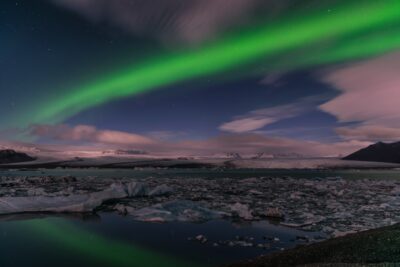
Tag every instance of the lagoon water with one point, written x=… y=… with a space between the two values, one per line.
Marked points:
x=208 y=173
x=108 y=239
x=112 y=240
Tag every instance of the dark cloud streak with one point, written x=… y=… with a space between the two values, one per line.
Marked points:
x=186 y=21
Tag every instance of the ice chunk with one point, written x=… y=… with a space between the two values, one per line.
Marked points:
x=180 y=210
x=242 y=211
x=72 y=203
x=161 y=190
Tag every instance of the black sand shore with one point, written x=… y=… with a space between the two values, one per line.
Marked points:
x=378 y=247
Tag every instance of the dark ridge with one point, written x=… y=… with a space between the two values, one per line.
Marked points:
x=11 y=156
x=379 y=152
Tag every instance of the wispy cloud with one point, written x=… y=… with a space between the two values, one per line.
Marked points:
x=256 y=143
x=243 y=125
x=370 y=133
x=259 y=118
x=273 y=79
x=92 y=139
x=88 y=133
x=188 y=21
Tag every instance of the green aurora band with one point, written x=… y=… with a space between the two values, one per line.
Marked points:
x=353 y=30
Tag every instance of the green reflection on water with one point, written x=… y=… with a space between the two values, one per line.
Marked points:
x=98 y=248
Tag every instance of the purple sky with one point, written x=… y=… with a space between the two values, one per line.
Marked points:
x=330 y=110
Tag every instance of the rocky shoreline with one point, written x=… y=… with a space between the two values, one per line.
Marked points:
x=332 y=206
x=375 y=248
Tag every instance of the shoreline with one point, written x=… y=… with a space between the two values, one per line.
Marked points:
x=206 y=163
x=376 y=247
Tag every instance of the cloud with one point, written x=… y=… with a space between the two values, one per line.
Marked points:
x=90 y=138
x=370 y=133
x=251 y=143
x=370 y=93
x=189 y=21
x=246 y=124
x=260 y=118
x=273 y=79
x=88 y=133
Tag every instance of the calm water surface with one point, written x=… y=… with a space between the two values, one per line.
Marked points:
x=207 y=173
x=111 y=240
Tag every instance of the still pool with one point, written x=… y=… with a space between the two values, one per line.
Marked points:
x=109 y=239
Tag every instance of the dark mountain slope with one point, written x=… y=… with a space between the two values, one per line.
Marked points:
x=380 y=152
x=11 y=156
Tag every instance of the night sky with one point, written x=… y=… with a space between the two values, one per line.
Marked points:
x=200 y=77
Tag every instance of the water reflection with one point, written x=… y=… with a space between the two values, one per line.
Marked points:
x=92 y=217
x=112 y=240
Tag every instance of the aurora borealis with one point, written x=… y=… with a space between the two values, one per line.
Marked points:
x=89 y=77
x=348 y=21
